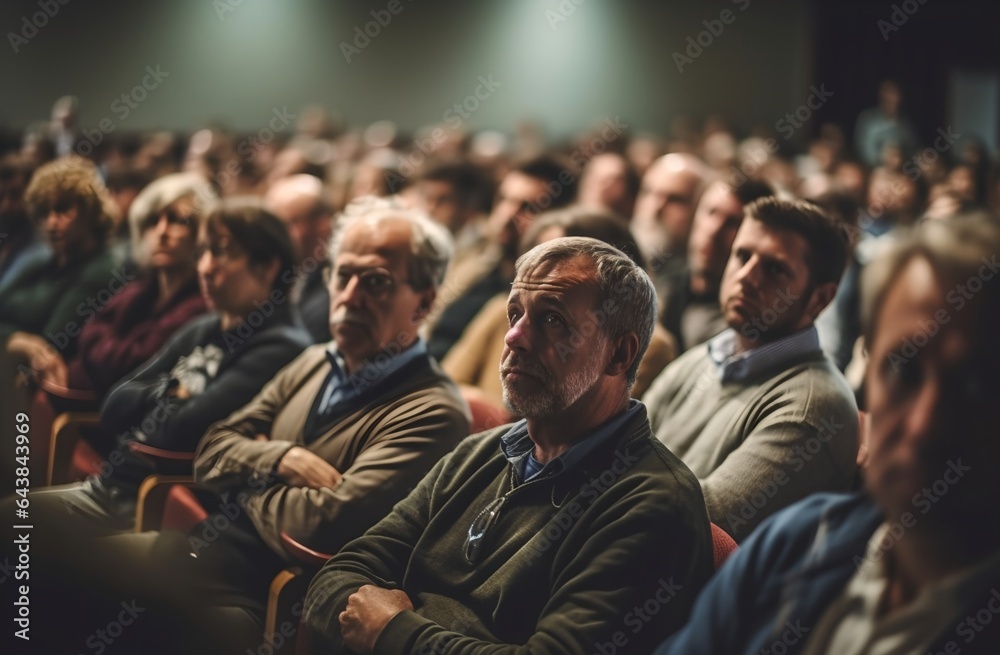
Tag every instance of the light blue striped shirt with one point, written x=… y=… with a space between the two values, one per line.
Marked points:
x=736 y=367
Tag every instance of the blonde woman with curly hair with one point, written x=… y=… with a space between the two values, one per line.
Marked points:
x=43 y=309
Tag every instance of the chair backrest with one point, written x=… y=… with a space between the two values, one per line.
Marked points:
x=485 y=414
x=722 y=545
x=70 y=457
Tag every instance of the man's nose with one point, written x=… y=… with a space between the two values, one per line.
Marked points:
x=351 y=294
x=206 y=263
x=924 y=418
x=749 y=273
x=517 y=335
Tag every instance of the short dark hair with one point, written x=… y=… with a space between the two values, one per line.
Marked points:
x=825 y=236
x=557 y=176
x=751 y=191
x=471 y=183
x=260 y=233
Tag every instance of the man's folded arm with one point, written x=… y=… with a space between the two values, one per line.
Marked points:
x=378 y=558
x=407 y=446
x=228 y=455
x=635 y=553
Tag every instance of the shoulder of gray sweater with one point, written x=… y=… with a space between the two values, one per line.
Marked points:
x=814 y=369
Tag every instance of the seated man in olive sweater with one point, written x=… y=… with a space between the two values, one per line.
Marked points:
x=758 y=412
x=569 y=531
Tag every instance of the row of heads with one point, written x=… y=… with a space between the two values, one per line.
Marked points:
x=75 y=182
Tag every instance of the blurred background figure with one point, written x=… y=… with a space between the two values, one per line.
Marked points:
x=303 y=203
x=884 y=127
x=22 y=243
x=609 y=183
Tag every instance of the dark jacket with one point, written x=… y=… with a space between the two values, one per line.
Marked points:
x=781 y=581
x=222 y=371
x=55 y=302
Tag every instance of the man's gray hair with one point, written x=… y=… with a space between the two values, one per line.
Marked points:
x=431 y=244
x=628 y=298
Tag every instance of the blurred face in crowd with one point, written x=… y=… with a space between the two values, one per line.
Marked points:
x=12 y=209
x=66 y=232
x=931 y=392
x=668 y=196
x=893 y=194
x=296 y=201
x=373 y=307
x=766 y=292
x=716 y=222
x=518 y=201
x=441 y=201
x=170 y=238
x=229 y=282
x=546 y=308
x=603 y=184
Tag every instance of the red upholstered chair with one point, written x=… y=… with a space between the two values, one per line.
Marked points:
x=485 y=413
x=69 y=456
x=167 y=502
x=165 y=499
x=722 y=545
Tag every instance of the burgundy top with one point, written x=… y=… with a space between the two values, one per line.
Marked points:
x=126 y=332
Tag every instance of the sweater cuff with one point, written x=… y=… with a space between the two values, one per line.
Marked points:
x=400 y=633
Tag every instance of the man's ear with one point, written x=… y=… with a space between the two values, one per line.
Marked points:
x=821 y=296
x=623 y=354
x=427 y=297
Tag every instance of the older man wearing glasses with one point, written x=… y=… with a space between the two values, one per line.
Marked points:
x=572 y=531
x=343 y=432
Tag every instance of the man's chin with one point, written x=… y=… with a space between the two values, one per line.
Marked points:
x=351 y=339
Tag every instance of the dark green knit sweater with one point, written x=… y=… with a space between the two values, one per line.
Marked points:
x=616 y=565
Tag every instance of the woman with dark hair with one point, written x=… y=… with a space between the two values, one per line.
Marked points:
x=474 y=358
x=211 y=367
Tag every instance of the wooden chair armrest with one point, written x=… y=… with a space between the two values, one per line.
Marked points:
x=303 y=553
x=165 y=462
x=66 y=432
x=161 y=453
x=287 y=588
x=152 y=497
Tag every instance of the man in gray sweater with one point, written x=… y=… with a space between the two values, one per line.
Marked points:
x=758 y=413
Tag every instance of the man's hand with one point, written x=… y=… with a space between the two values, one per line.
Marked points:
x=368 y=611
x=303 y=468
x=41 y=356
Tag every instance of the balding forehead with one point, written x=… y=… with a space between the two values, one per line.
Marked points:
x=294 y=186
x=385 y=225
x=576 y=270
x=680 y=163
